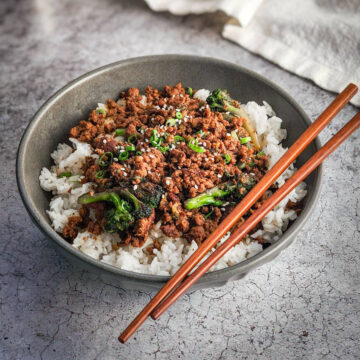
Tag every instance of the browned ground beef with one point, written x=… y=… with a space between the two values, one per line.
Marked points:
x=182 y=172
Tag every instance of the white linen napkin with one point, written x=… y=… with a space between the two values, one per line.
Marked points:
x=315 y=39
x=241 y=10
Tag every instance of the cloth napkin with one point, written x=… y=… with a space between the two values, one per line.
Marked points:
x=315 y=39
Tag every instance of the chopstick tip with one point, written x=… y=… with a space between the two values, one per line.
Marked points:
x=122 y=339
x=154 y=315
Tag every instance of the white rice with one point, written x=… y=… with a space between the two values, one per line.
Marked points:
x=174 y=251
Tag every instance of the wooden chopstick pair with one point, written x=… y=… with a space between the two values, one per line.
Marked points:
x=167 y=295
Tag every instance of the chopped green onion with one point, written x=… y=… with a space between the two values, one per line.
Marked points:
x=120 y=132
x=261 y=153
x=241 y=165
x=170 y=122
x=252 y=164
x=130 y=148
x=100 y=174
x=101 y=111
x=106 y=163
x=155 y=140
x=138 y=153
x=163 y=149
x=193 y=144
x=65 y=174
x=208 y=214
x=123 y=155
x=132 y=138
x=227 y=158
x=189 y=91
x=245 y=140
x=165 y=135
x=179 y=115
x=178 y=138
x=234 y=135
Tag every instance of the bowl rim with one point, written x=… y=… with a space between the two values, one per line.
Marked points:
x=242 y=267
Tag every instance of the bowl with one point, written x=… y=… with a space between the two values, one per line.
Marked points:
x=73 y=102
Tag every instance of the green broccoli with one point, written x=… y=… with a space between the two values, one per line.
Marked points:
x=219 y=100
x=118 y=218
x=149 y=193
x=140 y=209
x=211 y=197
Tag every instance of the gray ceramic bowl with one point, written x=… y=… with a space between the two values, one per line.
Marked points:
x=73 y=102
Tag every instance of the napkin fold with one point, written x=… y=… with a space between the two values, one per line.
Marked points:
x=315 y=39
x=241 y=10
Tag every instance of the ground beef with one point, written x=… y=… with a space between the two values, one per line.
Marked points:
x=85 y=131
x=70 y=230
x=153 y=151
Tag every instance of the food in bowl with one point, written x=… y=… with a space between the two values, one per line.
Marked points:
x=149 y=177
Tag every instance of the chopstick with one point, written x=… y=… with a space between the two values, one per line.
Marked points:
x=269 y=178
x=256 y=217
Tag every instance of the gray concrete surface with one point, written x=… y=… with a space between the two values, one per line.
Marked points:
x=303 y=305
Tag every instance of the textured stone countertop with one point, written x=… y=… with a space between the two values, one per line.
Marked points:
x=304 y=304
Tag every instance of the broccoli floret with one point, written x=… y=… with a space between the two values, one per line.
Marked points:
x=118 y=218
x=211 y=197
x=140 y=209
x=149 y=193
x=219 y=100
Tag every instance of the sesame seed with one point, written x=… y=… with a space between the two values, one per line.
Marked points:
x=104 y=141
x=152 y=156
x=116 y=159
x=125 y=174
x=167 y=182
x=196 y=187
x=135 y=187
x=219 y=176
x=222 y=209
